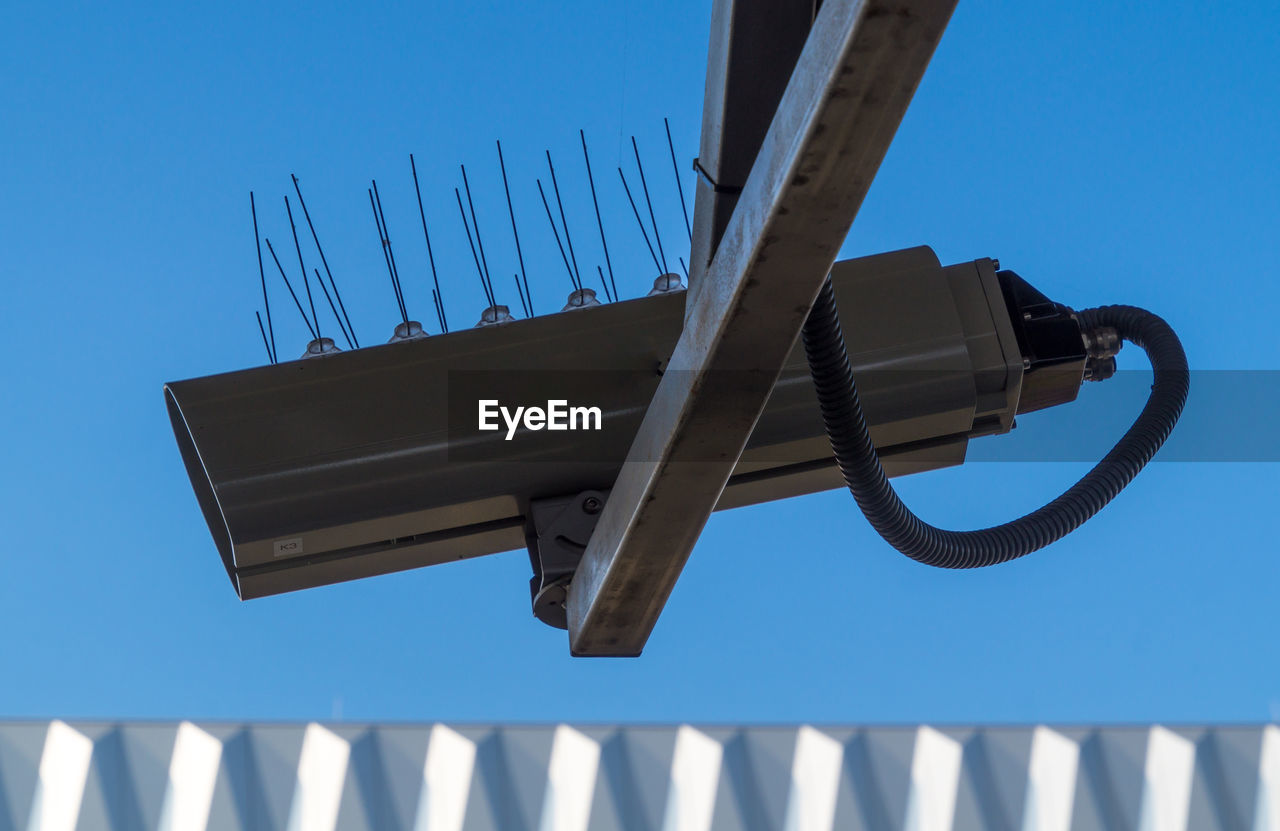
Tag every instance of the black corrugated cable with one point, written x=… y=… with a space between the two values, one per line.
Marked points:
x=856 y=455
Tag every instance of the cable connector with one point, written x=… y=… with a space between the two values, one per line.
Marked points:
x=1101 y=344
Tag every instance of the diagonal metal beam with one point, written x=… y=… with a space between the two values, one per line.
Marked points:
x=753 y=51
x=852 y=84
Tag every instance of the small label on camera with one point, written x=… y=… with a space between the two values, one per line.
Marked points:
x=287 y=548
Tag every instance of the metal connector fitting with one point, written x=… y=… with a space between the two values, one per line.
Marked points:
x=1102 y=342
x=1099 y=369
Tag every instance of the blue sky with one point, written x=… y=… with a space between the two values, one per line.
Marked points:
x=1119 y=157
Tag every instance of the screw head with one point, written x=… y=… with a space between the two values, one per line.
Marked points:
x=591 y=505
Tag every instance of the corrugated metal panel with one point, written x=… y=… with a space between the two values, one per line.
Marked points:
x=225 y=777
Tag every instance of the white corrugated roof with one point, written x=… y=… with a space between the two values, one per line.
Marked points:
x=62 y=776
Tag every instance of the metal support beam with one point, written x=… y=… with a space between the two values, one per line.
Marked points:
x=753 y=51
x=855 y=77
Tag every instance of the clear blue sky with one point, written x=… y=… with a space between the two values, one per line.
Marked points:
x=1119 y=156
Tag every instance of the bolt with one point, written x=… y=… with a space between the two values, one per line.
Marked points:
x=591 y=505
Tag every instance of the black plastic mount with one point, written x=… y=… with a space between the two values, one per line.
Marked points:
x=557 y=534
x=1053 y=347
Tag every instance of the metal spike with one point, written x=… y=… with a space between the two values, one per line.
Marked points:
x=270 y=357
x=332 y=283
x=444 y=325
x=639 y=221
x=605 y=283
x=528 y=295
x=382 y=243
x=675 y=168
x=289 y=286
x=306 y=282
x=564 y=222
x=484 y=284
x=391 y=254
x=334 y=309
x=262 y=275
x=545 y=204
x=596 y=204
x=657 y=237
